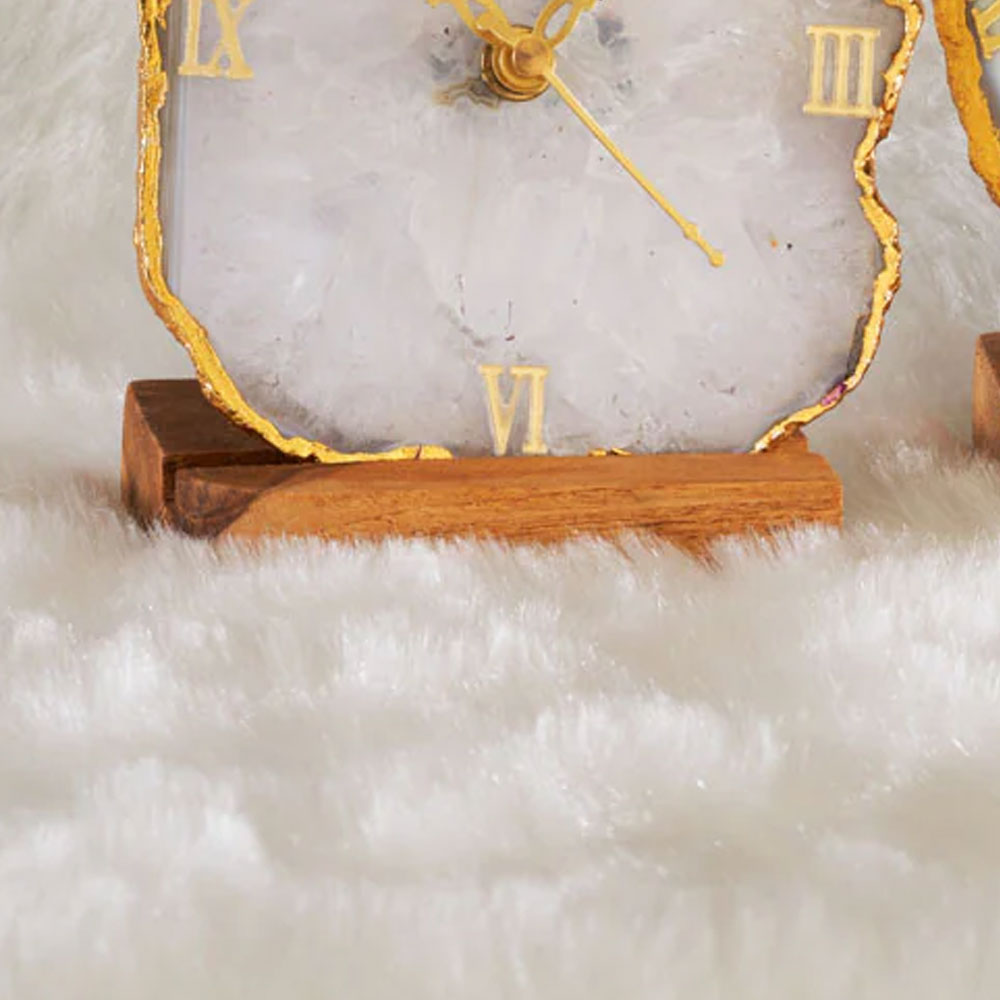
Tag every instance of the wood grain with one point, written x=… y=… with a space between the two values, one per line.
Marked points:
x=986 y=396
x=169 y=425
x=209 y=479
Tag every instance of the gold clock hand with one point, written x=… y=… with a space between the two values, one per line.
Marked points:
x=491 y=26
x=531 y=59
x=687 y=227
x=551 y=9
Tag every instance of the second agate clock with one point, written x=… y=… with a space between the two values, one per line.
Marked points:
x=406 y=229
x=970 y=34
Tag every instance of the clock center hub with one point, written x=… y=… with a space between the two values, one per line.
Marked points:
x=517 y=72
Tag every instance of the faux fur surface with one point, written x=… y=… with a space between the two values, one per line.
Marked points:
x=461 y=771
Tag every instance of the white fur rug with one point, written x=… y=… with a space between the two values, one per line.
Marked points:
x=460 y=771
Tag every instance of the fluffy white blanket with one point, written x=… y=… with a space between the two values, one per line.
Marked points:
x=426 y=770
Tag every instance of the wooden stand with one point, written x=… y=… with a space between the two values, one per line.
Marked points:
x=185 y=465
x=986 y=396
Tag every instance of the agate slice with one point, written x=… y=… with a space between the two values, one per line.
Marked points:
x=369 y=255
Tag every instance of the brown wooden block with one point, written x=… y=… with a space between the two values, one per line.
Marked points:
x=986 y=396
x=186 y=465
x=169 y=425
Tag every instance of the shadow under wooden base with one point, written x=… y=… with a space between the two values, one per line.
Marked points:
x=185 y=465
x=986 y=396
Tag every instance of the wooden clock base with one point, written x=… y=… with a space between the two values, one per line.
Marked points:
x=185 y=465
x=986 y=396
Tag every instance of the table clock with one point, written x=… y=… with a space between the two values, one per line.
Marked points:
x=510 y=267
x=970 y=35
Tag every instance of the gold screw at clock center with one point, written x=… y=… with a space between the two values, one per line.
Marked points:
x=519 y=72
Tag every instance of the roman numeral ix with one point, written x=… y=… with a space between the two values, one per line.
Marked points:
x=227 y=59
x=984 y=18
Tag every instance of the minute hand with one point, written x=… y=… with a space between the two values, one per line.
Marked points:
x=687 y=227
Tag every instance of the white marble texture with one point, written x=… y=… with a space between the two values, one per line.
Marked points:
x=357 y=248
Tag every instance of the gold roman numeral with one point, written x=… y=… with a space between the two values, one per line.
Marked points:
x=831 y=94
x=227 y=58
x=503 y=411
x=984 y=19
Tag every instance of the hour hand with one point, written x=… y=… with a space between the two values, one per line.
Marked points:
x=490 y=24
x=551 y=9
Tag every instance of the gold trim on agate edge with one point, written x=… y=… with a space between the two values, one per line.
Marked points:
x=882 y=221
x=965 y=77
x=219 y=387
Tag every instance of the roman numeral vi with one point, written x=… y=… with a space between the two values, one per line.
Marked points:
x=503 y=411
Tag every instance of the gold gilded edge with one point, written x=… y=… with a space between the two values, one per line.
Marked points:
x=882 y=221
x=218 y=387
x=965 y=77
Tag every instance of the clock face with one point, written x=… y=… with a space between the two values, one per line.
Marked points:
x=368 y=250
x=970 y=34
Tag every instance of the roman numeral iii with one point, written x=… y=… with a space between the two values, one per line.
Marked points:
x=227 y=59
x=831 y=92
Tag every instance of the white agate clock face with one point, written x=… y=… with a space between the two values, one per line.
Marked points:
x=970 y=34
x=372 y=251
